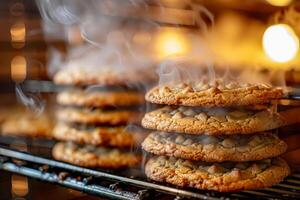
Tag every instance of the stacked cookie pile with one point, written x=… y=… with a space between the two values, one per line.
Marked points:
x=92 y=118
x=215 y=136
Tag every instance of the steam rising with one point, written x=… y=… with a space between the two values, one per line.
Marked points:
x=109 y=38
x=32 y=101
x=109 y=26
x=60 y=11
x=201 y=12
x=54 y=64
x=180 y=70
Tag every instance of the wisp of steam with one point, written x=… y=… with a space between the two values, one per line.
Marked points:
x=32 y=101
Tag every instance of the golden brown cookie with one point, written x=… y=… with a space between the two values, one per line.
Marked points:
x=116 y=136
x=211 y=121
x=102 y=75
x=217 y=94
x=27 y=124
x=237 y=148
x=97 y=116
x=91 y=156
x=100 y=98
x=223 y=177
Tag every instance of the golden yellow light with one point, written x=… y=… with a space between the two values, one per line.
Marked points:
x=18 y=34
x=19 y=185
x=279 y=2
x=280 y=43
x=171 y=43
x=18 y=68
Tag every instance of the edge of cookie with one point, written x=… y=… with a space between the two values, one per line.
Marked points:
x=191 y=152
x=222 y=184
x=192 y=126
x=88 y=159
x=214 y=97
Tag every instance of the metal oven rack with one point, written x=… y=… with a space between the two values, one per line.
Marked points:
x=133 y=185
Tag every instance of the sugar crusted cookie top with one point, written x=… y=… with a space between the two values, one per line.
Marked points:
x=211 y=121
x=218 y=93
x=215 y=148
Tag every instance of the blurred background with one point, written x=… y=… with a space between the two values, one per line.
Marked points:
x=256 y=33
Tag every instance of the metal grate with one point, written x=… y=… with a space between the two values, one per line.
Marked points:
x=132 y=186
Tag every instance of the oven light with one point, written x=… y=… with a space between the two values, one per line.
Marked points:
x=18 y=35
x=280 y=43
x=19 y=186
x=279 y=2
x=171 y=43
x=18 y=68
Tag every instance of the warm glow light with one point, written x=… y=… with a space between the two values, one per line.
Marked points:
x=18 y=68
x=19 y=185
x=18 y=34
x=171 y=43
x=280 y=43
x=279 y=2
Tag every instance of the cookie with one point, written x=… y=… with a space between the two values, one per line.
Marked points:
x=223 y=177
x=100 y=75
x=235 y=148
x=116 y=136
x=97 y=116
x=218 y=94
x=91 y=156
x=211 y=121
x=29 y=125
x=100 y=98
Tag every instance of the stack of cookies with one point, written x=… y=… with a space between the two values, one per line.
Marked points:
x=92 y=118
x=215 y=136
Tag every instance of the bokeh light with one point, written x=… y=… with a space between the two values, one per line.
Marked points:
x=280 y=43
x=18 y=68
x=279 y=2
x=171 y=43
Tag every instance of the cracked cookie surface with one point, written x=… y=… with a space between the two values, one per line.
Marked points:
x=116 y=136
x=223 y=177
x=211 y=121
x=99 y=98
x=97 y=116
x=91 y=156
x=217 y=94
x=215 y=148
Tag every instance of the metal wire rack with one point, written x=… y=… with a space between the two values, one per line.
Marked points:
x=126 y=184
